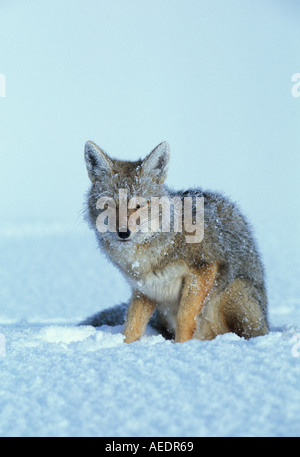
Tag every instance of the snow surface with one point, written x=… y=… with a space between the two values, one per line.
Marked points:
x=61 y=379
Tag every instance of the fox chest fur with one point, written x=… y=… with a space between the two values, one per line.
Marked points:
x=146 y=273
x=161 y=285
x=151 y=272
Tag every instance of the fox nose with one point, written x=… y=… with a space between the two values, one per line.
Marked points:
x=124 y=235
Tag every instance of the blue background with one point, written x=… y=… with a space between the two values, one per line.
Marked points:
x=213 y=78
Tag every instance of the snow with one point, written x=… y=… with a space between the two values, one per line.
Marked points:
x=214 y=80
x=62 y=379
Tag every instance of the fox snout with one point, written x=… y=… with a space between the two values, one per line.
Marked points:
x=124 y=236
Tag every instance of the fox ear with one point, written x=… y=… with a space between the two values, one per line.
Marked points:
x=155 y=164
x=97 y=162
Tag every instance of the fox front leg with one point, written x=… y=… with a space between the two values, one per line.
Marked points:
x=196 y=286
x=139 y=313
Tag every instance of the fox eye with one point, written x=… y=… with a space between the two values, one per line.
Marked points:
x=138 y=206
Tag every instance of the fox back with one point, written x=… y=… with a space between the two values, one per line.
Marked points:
x=189 y=286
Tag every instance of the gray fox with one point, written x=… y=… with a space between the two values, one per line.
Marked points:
x=184 y=289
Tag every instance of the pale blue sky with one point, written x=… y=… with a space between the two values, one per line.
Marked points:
x=211 y=77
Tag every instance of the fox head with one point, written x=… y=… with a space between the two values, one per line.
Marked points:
x=114 y=181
